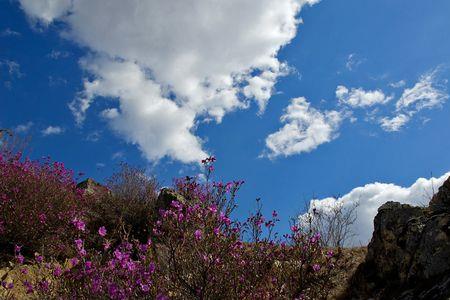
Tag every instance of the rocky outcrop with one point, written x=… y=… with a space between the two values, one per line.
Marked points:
x=90 y=186
x=165 y=198
x=409 y=254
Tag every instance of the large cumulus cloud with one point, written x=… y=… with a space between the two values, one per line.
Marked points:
x=179 y=61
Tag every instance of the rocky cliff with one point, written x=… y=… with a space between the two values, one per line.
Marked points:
x=409 y=254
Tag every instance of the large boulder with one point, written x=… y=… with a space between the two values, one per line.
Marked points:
x=409 y=254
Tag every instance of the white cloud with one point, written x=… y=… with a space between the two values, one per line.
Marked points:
x=23 y=128
x=305 y=129
x=353 y=61
x=93 y=136
x=57 y=54
x=358 y=97
x=395 y=123
x=55 y=81
x=158 y=125
x=110 y=113
x=12 y=68
x=52 y=130
x=426 y=93
x=371 y=196
x=45 y=11
x=199 y=59
x=117 y=155
x=9 y=32
x=397 y=84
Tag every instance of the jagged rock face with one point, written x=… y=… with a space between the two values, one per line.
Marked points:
x=409 y=254
x=441 y=201
x=90 y=186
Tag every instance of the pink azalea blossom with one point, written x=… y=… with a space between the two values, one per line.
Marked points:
x=79 y=224
x=198 y=234
x=102 y=231
x=57 y=271
x=316 y=267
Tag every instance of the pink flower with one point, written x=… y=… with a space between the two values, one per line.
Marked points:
x=29 y=286
x=74 y=261
x=20 y=258
x=213 y=209
x=315 y=238
x=44 y=285
x=180 y=217
x=57 y=271
x=79 y=224
x=330 y=253
x=102 y=231
x=216 y=231
x=161 y=297
x=198 y=234
x=316 y=267
x=39 y=258
x=151 y=267
x=79 y=244
x=42 y=218
x=119 y=255
x=106 y=245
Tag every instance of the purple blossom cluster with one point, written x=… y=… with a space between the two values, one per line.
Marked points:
x=194 y=249
x=38 y=199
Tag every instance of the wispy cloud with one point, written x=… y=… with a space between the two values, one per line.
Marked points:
x=9 y=32
x=52 y=130
x=117 y=155
x=23 y=128
x=398 y=84
x=55 y=81
x=57 y=54
x=353 y=61
x=12 y=67
x=93 y=136
x=427 y=93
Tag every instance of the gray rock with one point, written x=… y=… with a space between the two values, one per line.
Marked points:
x=408 y=256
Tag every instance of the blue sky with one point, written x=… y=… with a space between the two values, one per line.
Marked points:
x=358 y=65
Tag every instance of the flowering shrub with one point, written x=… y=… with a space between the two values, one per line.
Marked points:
x=126 y=206
x=124 y=272
x=38 y=202
x=194 y=250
